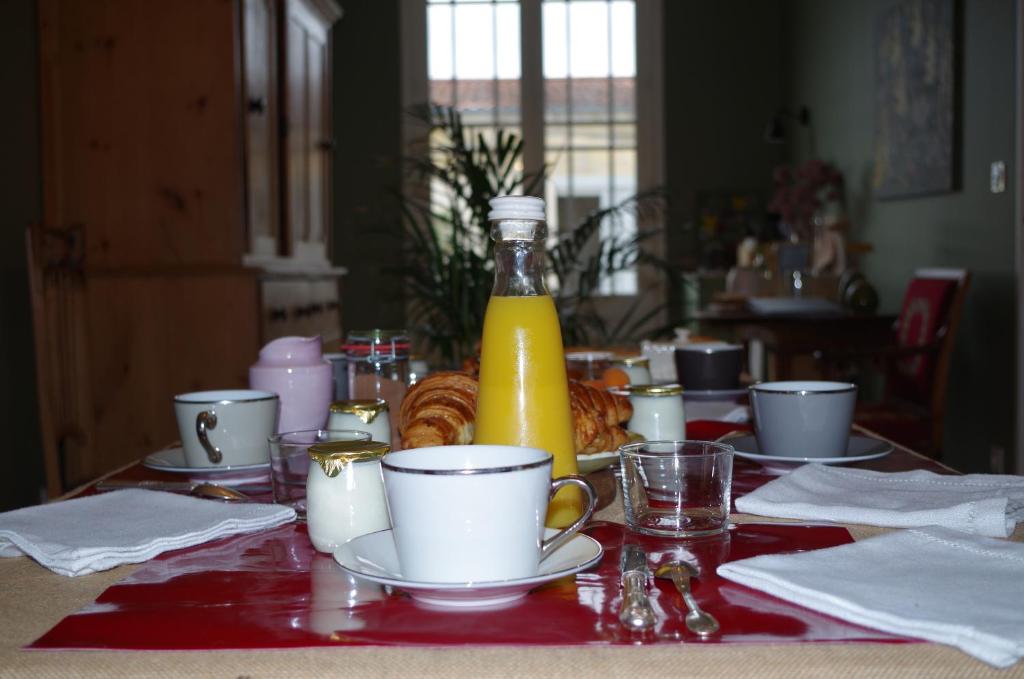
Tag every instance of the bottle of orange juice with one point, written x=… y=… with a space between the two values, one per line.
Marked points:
x=524 y=393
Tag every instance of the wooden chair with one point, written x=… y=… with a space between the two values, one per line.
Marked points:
x=914 y=359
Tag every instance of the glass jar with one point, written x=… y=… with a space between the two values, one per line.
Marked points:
x=588 y=365
x=345 y=492
x=378 y=367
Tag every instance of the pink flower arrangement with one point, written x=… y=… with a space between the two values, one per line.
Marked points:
x=803 y=190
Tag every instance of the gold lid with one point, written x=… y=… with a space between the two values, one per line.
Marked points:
x=655 y=389
x=366 y=410
x=332 y=456
x=633 y=361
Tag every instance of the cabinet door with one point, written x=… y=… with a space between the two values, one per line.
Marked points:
x=259 y=55
x=307 y=142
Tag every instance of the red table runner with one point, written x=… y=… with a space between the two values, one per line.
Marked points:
x=273 y=590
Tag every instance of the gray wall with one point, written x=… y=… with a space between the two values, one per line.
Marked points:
x=830 y=69
x=723 y=82
x=21 y=460
x=367 y=120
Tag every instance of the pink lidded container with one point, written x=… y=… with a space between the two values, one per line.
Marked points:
x=294 y=368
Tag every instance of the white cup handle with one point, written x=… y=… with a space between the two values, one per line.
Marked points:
x=548 y=546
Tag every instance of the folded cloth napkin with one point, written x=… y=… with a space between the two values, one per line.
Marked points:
x=930 y=583
x=94 y=533
x=985 y=504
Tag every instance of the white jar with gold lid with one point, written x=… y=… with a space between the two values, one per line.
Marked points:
x=345 y=492
x=658 y=412
x=370 y=415
x=637 y=368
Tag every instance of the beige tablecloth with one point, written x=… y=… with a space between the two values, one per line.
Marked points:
x=32 y=600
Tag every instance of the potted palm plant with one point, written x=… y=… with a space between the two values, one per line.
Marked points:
x=448 y=263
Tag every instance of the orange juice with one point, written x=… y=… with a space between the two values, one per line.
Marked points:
x=524 y=394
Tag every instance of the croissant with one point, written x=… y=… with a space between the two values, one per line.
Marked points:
x=597 y=415
x=439 y=410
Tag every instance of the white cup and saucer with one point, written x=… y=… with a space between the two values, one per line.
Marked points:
x=468 y=527
x=222 y=431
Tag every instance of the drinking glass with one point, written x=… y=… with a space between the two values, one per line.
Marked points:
x=676 y=488
x=289 y=461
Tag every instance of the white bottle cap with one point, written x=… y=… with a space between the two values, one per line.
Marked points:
x=516 y=207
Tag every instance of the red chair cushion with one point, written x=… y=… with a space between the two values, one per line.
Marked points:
x=925 y=310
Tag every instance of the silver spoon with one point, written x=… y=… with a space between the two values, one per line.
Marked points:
x=212 y=491
x=680 y=572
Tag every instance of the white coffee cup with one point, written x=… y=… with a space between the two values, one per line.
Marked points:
x=803 y=418
x=474 y=513
x=226 y=428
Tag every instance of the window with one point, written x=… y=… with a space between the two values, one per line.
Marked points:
x=564 y=75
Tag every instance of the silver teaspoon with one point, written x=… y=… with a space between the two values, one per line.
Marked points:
x=680 y=572
x=214 y=492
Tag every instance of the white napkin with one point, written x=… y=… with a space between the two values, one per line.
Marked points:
x=930 y=583
x=94 y=533
x=985 y=504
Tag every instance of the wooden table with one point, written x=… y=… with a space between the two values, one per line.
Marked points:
x=33 y=599
x=787 y=337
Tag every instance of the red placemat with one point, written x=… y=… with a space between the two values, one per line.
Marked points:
x=272 y=590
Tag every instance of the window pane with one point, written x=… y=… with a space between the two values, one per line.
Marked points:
x=508 y=42
x=556 y=48
x=590 y=99
x=442 y=92
x=440 y=61
x=590 y=169
x=624 y=137
x=556 y=100
x=624 y=99
x=508 y=103
x=624 y=184
x=477 y=100
x=588 y=39
x=556 y=137
x=591 y=136
x=474 y=41
x=623 y=48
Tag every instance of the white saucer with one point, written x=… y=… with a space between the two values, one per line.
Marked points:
x=373 y=558
x=595 y=462
x=713 y=394
x=859 y=449
x=173 y=460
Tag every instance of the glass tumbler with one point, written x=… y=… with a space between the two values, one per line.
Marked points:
x=289 y=462
x=676 y=488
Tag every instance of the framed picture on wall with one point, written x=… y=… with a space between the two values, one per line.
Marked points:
x=914 y=150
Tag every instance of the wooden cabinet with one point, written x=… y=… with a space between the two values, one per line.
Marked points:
x=175 y=196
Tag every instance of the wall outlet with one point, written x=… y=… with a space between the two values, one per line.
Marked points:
x=997 y=177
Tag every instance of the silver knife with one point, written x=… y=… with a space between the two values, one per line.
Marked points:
x=636 y=612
